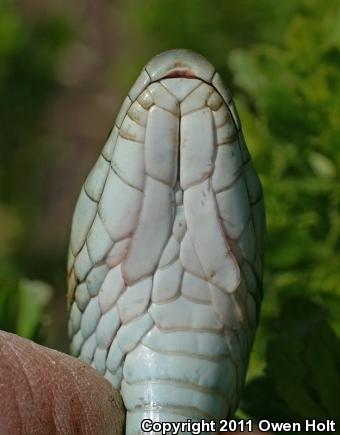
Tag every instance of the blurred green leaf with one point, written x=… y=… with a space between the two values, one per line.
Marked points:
x=322 y=165
x=291 y=119
x=30 y=48
x=261 y=401
x=302 y=374
x=33 y=299
x=8 y=305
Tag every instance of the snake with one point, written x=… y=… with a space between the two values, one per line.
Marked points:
x=165 y=259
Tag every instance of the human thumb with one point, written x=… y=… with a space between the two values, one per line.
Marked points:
x=43 y=391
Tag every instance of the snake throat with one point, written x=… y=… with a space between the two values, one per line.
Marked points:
x=166 y=250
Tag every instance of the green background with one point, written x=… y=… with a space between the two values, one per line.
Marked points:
x=64 y=71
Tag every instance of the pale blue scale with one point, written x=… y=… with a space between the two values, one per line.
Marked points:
x=228 y=166
x=84 y=214
x=107 y=328
x=200 y=372
x=169 y=254
x=188 y=315
x=131 y=333
x=114 y=357
x=119 y=216
x=167 y=282
x=169 y=394
x=110 y=144
x=111 y=288
x=82 y=296
x=115 y=378
x=209 y=344
x=82 y=264
x=100 y=359
x=90 y=317
x=128 y=162
x=76 y=343
x=94 y=183
x=95 y=279
x=98 y=241
x=135 y=300
x=88 y=349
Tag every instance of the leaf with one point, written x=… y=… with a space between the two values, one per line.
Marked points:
x=261 y=401
x=8 y=295
x=33 y=298
x=302 y=378
x=322 y=165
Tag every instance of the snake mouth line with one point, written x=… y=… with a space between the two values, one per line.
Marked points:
x=181 y=73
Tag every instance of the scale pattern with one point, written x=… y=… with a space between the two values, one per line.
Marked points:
x=166 y=250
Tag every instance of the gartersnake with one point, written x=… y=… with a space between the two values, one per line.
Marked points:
x=166 y=251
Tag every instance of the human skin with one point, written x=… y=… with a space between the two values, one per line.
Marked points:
x=43 y=391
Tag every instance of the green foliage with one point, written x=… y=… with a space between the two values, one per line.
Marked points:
x=28 y=55
x=22 y=306
x=289 y=102
x=302 y=378
x=212 y=27
x=33 y=298
x=29 y=51
x=294 y=136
